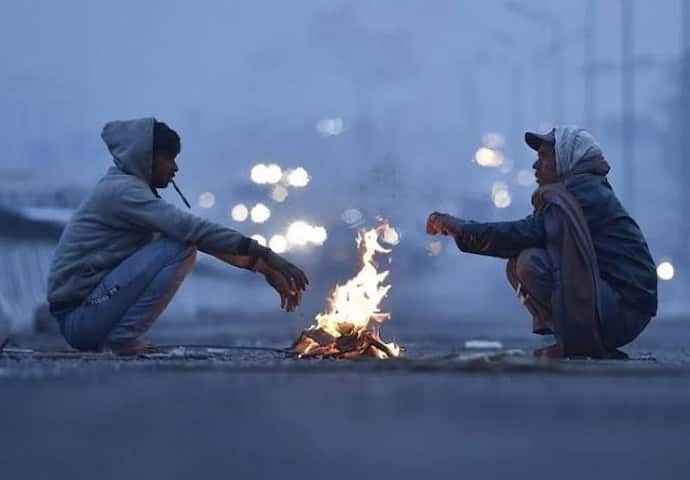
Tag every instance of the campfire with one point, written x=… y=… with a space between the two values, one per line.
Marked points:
x=351 y=325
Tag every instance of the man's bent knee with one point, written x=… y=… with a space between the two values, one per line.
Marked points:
x=533 y=265
x=172 y=248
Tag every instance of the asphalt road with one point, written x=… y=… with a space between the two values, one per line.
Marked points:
x=445 y=412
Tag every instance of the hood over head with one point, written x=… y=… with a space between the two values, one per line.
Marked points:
x=131 y=144
x=578 y=152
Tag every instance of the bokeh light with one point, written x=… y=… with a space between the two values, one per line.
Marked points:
x=434 y=248
x=502 y=199
x=318 y=235
x=259 y=174
x=486 y=157
x=500 y=195
x=391 y=236
x=498 y=186
x=298 y=177
x=207 y=200
x=328 y=127
x=665 y=270
x=260 y=213
x=239 y=212
x=278 y=244
x=260 y=239
x=279 y=193
x=352 y=217
x=273 y=174
x=299 y=233
x=525 y=178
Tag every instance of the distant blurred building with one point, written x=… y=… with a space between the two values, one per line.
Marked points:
x=32 y=215
x=26 y=247
x=19 y=191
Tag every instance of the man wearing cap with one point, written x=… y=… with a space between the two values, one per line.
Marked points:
x=579 y=262
x=126 y=251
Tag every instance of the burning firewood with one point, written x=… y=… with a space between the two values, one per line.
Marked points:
x=350 y=327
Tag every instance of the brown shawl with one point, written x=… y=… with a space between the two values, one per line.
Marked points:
x=575 y=300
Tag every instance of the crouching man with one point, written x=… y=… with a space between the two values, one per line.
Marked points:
x=125 y=252
x=579 y=263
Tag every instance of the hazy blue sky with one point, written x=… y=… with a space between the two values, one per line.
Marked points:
x=67 y=67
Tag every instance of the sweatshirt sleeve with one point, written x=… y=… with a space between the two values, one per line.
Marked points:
x=139 y=208
x=501 y=239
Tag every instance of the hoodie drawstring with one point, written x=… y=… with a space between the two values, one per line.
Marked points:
x=179 y=192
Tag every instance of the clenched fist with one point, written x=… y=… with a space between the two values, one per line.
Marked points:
x=443 y=224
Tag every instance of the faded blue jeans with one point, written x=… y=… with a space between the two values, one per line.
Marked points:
x=130 y=298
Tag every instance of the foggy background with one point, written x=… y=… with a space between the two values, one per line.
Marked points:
x=384 y=103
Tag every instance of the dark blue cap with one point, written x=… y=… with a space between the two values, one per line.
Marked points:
x=534 y=140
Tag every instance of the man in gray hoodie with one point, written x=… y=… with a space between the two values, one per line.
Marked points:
x=125 y=252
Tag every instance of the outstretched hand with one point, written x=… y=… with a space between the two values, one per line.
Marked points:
x=444 y=224
x=285 y=278
x=435 y=224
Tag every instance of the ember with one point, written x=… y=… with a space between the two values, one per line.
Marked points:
x=350 y=327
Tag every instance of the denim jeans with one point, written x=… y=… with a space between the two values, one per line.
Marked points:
x=531 y=274
x=131 y=297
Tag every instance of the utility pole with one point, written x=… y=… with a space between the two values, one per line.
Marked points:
x=628 y=104
x=558 y=85
x=590 y=43
x=556 y=47
x=515 y=88
x=474 y=118
x=685 y=119
x=517 y=100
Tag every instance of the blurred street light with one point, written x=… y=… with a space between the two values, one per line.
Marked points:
x=299 y=233
x=391 y=236
x=239 y=212
x=434 y=248
x=259 y=174
x=279 y=193
x=486 y=157
x=318 y=235
x=525 y=178
x=352 y=217
x=665 y=270
x=278 y=244
x=260 y=213
x=298 y=177
x=260 y=239
x=273 y=174
x=207 y=200
x=500 y=195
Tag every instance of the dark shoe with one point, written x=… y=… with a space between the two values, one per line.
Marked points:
x=616 y=354
x=556 y=351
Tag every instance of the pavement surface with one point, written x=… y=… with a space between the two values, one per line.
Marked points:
x=231 y=404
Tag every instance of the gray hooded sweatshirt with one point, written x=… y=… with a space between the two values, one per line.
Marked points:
x=121 y=215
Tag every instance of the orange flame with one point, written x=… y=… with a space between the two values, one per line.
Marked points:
x=354 y=308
